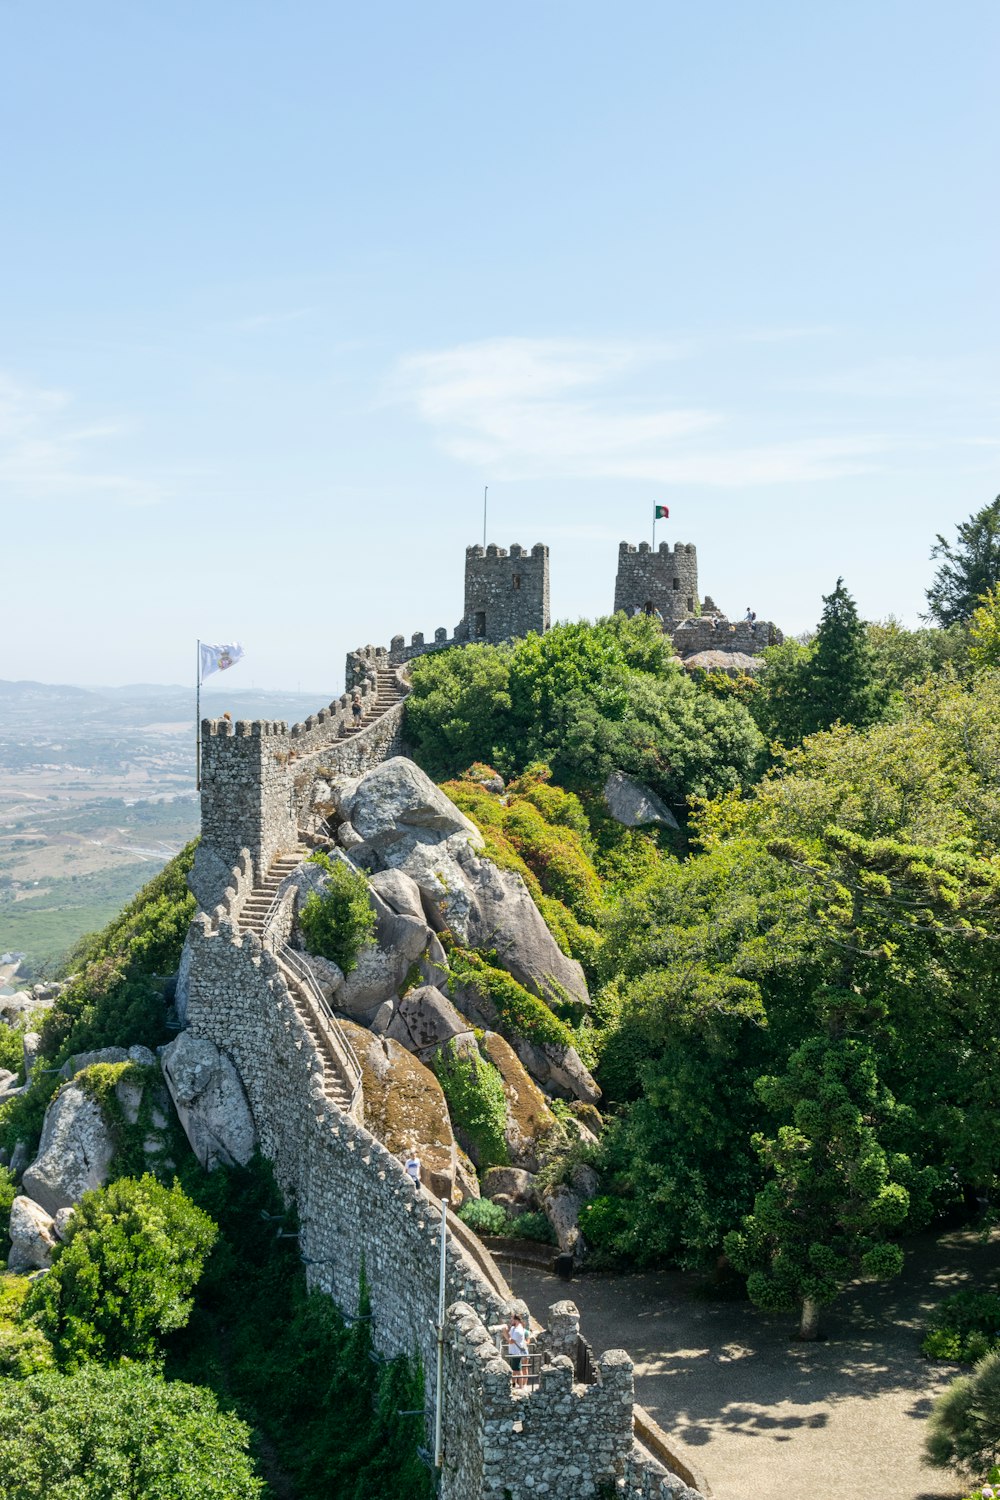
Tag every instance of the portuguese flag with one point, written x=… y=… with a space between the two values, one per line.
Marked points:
x=662 y=513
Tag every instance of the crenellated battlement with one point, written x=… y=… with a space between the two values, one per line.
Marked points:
x=663 y=582
x=716 y=633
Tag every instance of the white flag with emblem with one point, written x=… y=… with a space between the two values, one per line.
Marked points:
x=219 y=658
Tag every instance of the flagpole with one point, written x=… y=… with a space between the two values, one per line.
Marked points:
x=486 y=490
x=197 y=722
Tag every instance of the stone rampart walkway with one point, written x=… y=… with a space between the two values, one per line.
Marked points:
x=765 y=1417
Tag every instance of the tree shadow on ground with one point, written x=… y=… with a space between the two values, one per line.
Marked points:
x=722 y=1370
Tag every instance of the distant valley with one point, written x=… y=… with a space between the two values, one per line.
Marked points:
x=97 y=792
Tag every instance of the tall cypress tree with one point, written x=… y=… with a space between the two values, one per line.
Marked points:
x=839 y=678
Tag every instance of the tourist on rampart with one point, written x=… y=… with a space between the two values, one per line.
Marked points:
x=517 y=1349
x=356 y=710
x=412 y=1167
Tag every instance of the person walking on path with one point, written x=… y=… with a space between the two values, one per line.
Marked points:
x=412 y=1166
x=356 y=710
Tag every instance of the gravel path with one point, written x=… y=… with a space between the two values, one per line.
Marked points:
x=764 y=1417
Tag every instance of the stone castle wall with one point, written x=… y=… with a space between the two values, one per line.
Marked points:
x=357 y=1208
x=712 y=633
x=506 y=593
x=256 y=779
x=663 y=580
x=506 y=596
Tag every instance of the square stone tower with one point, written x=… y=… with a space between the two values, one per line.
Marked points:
x=506 y=593
x=662 y=580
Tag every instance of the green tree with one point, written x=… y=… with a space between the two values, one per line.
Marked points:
x=338 y=920
x=984 y=631
x=586 y=699
x=780 y=705
x=970 y=566
x=132 y=1256
x=122 y=1433
x=831 y=1200
x=964 y=1428
x=839 y=679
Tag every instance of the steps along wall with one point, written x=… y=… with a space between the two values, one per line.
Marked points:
x=356 y=1205
x=257 y=780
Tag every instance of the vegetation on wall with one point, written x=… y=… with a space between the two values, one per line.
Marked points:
x=338 y=920
x=473 y=1089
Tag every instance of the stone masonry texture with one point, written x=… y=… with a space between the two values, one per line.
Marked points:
x=569 y=1439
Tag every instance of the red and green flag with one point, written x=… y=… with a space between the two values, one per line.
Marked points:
x=662 y=513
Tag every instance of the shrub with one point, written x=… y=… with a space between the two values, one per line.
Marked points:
x=485 y=1217
x=12 y=1048
x=477 y=1104
x=133 y=1253
x=116 y=997
x=518 y=1011
x=8 y=1192
x=604 y=1223
x=122 y=1433
x=338 y=920
x=533 y=1226
x=963 y=1431
x=963 y=1327
x=24 y=1349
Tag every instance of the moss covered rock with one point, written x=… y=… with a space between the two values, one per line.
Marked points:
x=405 y=1107
x=530 y=1121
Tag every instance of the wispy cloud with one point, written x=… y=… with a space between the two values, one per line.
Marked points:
x=44 y=452
x=530 y=408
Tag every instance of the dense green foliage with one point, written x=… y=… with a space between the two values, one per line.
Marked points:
x=24 y=1349
x=969 y=568
x=338 y=920
x=830 y=1201
x=804 y=689
x=119 y=1433
x=486 y=1217
x=963 y=1431
x=116 y=998
x=963 y=1327
x=473 y=1089
x=586 y=699
x=125 y=1274
x=330 y=1412
x=792 y=1021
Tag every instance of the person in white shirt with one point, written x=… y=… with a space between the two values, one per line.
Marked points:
x=517 y=1349
x=412 y=1165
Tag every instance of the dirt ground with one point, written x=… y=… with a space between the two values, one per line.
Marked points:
x=765 y=1417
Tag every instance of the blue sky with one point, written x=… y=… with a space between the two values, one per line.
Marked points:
x=282 y=286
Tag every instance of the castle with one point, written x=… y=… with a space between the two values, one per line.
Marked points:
x=579 y=1435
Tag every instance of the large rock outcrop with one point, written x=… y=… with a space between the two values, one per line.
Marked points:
x=408 y=826
x=210 y=1101
x=33 y=1236
x=405 y=1107
x=634 y=805
x=530 y=1121
x=74 y=1154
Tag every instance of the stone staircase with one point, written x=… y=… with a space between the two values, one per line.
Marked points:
x=341 y=1072
x=388 y=693
x=258 y=903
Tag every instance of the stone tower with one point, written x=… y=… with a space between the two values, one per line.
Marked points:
x=506 y=593
x=662 y=580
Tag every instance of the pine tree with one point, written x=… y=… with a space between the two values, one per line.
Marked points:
x=970 y=567
x=839 y=678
